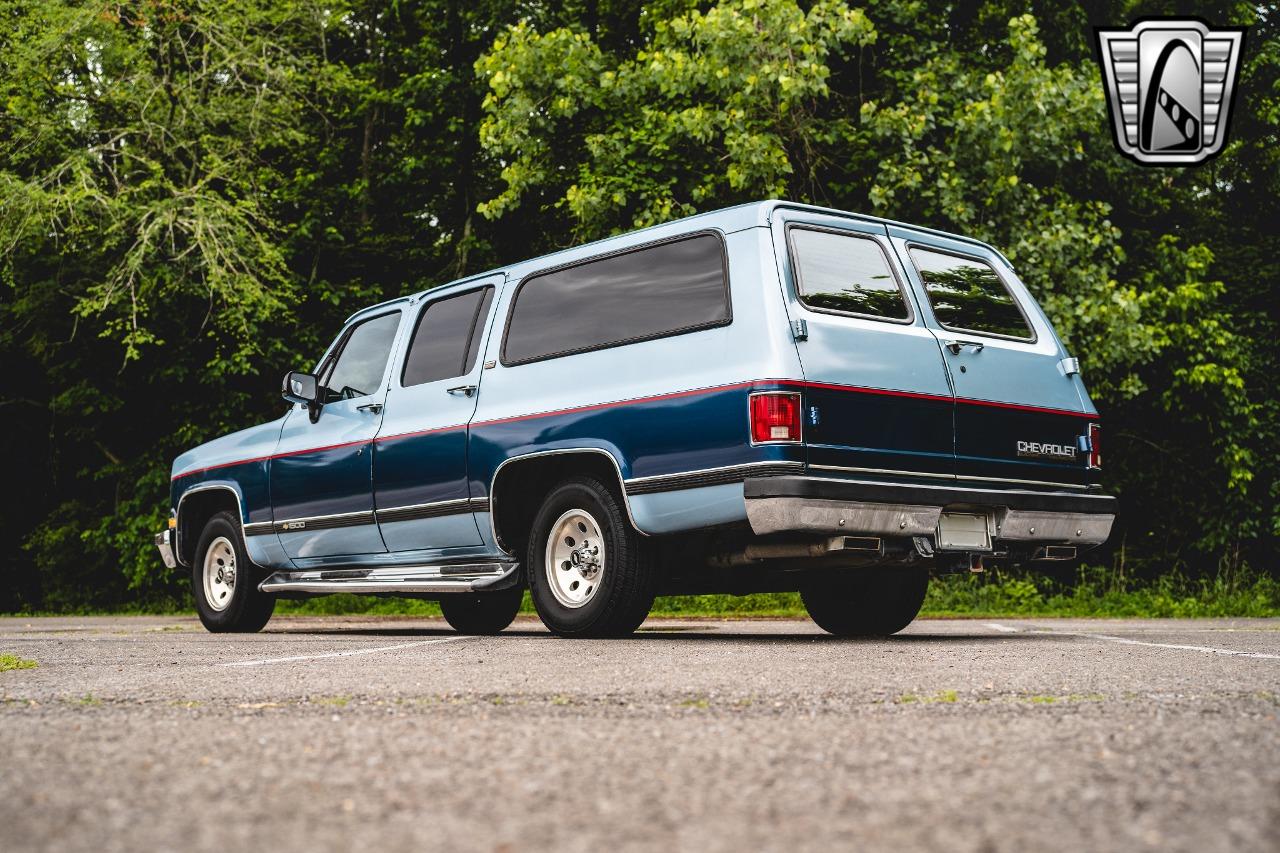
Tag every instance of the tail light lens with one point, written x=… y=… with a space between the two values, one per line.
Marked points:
x=1095 y=445
x=775 y=417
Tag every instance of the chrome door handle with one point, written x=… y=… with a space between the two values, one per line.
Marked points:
x=373 y=408
x=463 y=390
x=956 y=346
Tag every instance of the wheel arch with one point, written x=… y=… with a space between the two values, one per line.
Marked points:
x=196 y=506
x=525 y=479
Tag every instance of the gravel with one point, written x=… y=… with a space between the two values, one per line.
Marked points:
x=393 y=734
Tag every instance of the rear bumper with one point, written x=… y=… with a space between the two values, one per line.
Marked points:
x=803 y=504
x=164 y=543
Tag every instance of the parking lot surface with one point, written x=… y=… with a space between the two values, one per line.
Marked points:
x=322 y=734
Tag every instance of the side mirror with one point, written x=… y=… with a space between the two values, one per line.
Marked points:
x=300 y=387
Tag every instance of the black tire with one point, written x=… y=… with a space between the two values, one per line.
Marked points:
x=482 y=613
x=867 y=602
x=627 y=576
x=244 y=609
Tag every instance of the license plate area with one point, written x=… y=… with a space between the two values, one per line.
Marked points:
x=964 y=531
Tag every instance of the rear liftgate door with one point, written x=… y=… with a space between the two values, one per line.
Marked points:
x=877 y=400
x=1020 y=418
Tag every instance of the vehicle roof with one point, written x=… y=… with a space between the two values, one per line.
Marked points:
x=755 y=214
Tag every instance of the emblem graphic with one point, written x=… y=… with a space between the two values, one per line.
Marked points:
x=1170 y=85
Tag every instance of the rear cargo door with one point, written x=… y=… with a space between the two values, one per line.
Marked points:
x=876 y=396
x=1019 y=413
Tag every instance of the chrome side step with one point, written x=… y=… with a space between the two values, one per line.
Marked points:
x=444 y=577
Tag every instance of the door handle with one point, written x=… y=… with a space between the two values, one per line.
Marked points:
x=462 y=390
x=373 y=408
x=956 y=346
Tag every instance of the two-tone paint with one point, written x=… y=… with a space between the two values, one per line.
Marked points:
x=406 y=475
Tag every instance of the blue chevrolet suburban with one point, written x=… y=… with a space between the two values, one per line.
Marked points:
x=770 y=397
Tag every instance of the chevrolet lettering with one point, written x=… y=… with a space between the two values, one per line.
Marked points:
x=770 y=397
x=1056 y=451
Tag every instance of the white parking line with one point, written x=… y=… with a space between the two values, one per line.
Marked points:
x=345 y=654
x=1005 y=629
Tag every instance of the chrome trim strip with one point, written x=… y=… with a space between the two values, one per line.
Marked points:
x=415 y=512
x=259 y=528
x=493 y=498
x=435 y=509
x=958 y=477
x=884 y=471
x=705 y=477
x=324 y=522
x=634 y=480
x=1015 y=480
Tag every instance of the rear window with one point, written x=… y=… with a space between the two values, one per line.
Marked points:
x=968 y=295
x=447 y=338
x=651 y=292
x=846 y=273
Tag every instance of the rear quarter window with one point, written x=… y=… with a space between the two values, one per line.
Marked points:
x=650 y=292
x=968 y=295
x=846 y=273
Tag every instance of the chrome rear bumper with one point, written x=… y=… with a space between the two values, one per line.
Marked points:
x=828 y=505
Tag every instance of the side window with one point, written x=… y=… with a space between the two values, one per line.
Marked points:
x=968 y=295
x=843 y=272
x=447 y=338
x=664 y=289
x=362 y=361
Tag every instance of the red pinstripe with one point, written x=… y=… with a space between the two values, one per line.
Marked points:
x=788 y=383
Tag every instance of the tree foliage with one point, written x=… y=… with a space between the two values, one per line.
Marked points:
x=192 y=197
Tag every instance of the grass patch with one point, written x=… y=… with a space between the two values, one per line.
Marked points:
x=942 y=697
x=1096 y=592
x=9 y=662
x=1091 y=592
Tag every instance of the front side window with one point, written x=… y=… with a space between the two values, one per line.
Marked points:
x=447 y=338
x=362 y=362
x=968 y=295
x=664 y=289
x=846 y=273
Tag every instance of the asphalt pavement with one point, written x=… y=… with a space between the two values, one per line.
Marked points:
x=146 y=733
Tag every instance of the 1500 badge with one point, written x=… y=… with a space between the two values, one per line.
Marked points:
x=1053 y=451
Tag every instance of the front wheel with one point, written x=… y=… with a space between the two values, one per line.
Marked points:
x=481 y=613
x=867 y=602
x=224 y=582
x=590 y=573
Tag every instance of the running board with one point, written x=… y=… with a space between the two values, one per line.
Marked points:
x=445 y=577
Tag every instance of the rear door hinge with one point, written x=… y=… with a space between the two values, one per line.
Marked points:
x=1070 y=366
x=800 y=330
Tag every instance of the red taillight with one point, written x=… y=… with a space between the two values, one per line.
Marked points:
x=1095 y=445
x=775 y=417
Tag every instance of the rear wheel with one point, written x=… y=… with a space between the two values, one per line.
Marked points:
x=590 y=573
x=482 y=613
x=867 y=602
x=224 y=582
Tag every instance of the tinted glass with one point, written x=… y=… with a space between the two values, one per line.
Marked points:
x=846 y=273
x=447 y=338
x=363 y=359
x=647 y=293
x=968 y=294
